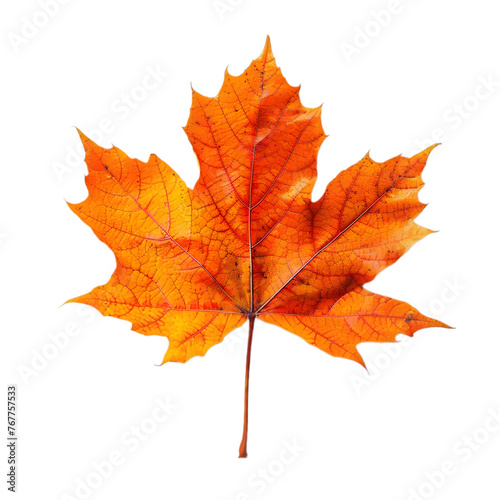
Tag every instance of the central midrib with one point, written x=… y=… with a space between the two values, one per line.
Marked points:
x=250 y=200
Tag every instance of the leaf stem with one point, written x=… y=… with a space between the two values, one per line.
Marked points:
x=243 y=445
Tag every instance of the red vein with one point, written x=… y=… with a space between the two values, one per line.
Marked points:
x=173 y=240
x=335 y=238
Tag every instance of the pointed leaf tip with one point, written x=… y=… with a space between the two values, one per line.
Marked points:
x=267 y=52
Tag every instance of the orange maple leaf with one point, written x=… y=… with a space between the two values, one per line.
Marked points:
x=247 y=242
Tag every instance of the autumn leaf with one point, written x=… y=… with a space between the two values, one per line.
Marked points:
x=247 y=241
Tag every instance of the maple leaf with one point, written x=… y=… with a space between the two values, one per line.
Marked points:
x=247 y=241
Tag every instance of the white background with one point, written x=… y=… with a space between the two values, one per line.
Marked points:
x=357 y=437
